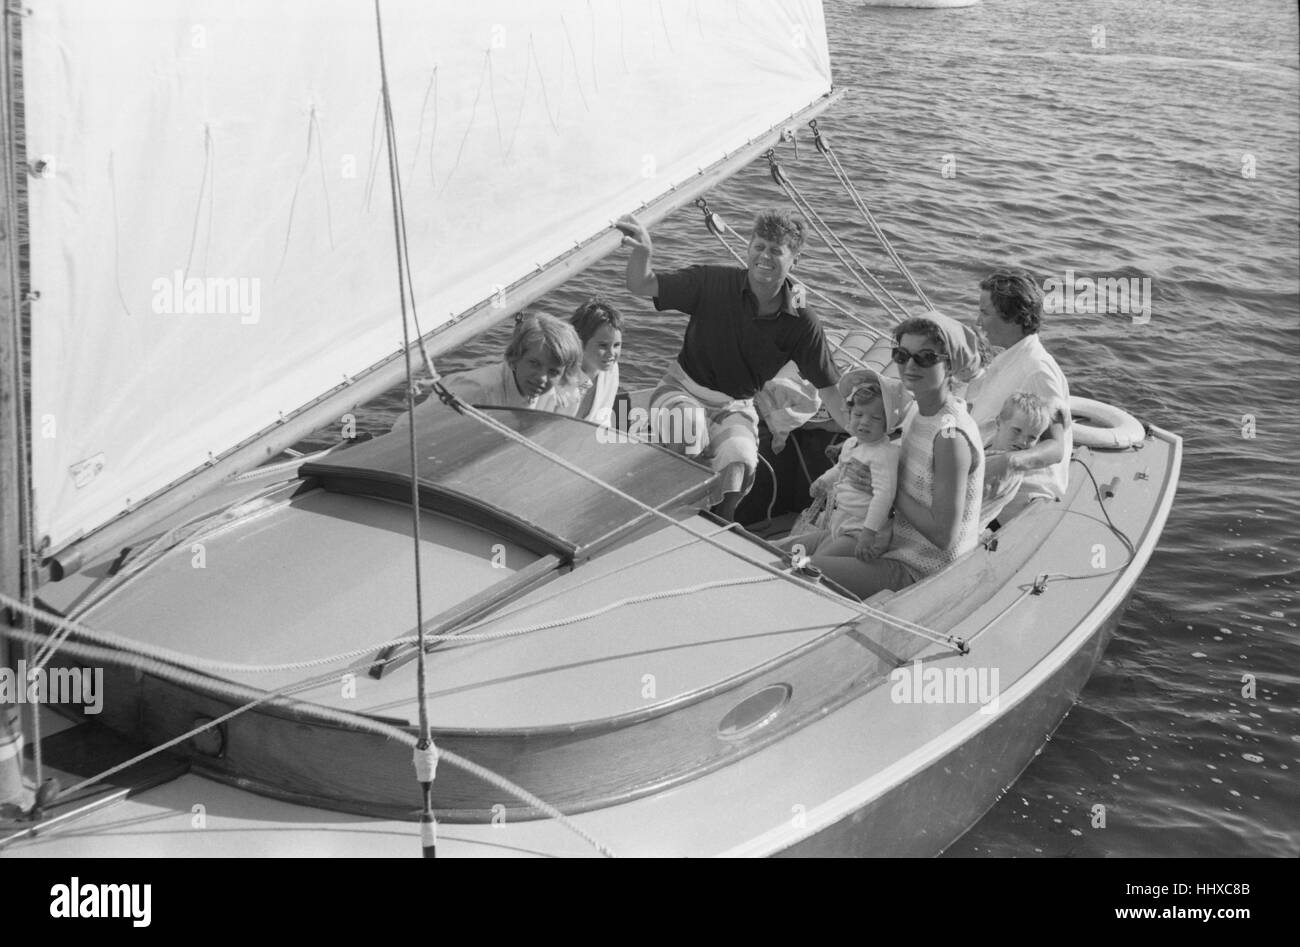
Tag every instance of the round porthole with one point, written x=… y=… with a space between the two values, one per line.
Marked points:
x=756 y=710
x=209 y=742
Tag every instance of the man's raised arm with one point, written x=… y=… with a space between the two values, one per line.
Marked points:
x=641 y=279
x=833 y=399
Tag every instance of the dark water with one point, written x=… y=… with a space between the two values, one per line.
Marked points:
x=1118 y=160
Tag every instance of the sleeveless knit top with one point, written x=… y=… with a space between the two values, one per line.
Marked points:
x=916 y=479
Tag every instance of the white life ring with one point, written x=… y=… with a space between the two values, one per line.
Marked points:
x=1112 y=428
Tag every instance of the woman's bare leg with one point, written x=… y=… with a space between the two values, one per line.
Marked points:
x=844 y=546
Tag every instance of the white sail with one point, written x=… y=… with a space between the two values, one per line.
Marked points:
x=212 y=233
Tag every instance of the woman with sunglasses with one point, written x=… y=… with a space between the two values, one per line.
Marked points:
x=941 y=468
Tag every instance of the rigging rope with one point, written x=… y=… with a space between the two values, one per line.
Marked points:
x=1128 y=543
x=835 y=244
x=425 y=755
x=198 y=664
x=833 y=160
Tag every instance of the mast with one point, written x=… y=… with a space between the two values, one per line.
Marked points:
x=11 y=449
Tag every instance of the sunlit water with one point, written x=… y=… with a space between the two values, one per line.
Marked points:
x=1108 y=138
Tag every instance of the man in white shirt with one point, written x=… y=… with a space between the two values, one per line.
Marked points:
x=1011 y=310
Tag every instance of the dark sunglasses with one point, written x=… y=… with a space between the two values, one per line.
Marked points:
x=925 y=358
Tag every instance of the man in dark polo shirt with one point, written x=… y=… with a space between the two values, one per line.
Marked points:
x=744 y=327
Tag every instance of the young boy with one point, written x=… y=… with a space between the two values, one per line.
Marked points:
x=540 y=371
x=856 y=518
x=1023 y=419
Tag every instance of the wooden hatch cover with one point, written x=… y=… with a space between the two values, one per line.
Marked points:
x=477 y=474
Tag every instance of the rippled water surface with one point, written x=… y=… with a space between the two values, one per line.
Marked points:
x=1107 y=138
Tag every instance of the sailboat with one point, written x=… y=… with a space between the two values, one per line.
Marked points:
x=218 y=198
